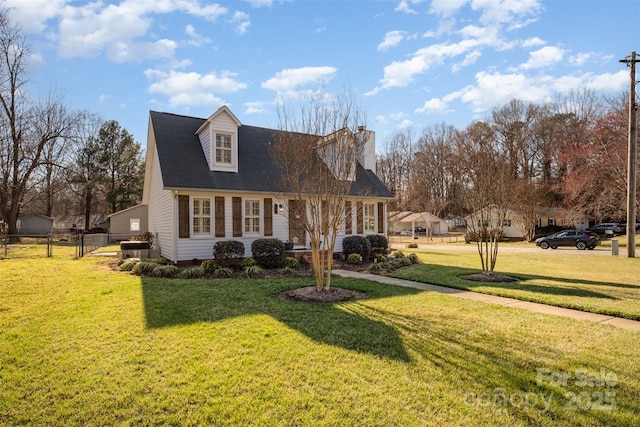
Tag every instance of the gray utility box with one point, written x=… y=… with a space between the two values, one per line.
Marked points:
x=135 y=249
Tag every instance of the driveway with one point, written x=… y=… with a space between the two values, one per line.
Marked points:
x=473 y=247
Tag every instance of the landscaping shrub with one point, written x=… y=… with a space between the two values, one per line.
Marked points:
x=380 y=258
x=128 y=264
x=248 y=262
x=412 y=246
x=208 y=266
x=228 y=253
x=354 y=259
x=356 y=245
x=253 y=271
x=268 y=253
x=379 y=244
x=223 y=272
x=413 y=258
x=144 y=268
x=194 y=272
x=291 y=262
x=165 y=271
x=398 y=254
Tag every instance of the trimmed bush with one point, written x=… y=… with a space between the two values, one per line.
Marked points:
x=291 y=262
x=354 y=259
x=412 y=246
x=356 y=245
x=228 y=253
x=268 y=253
x=413 y=258
x=379 y=243
x=208 y=266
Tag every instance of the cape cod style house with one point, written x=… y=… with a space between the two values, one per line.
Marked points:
x=209 y=180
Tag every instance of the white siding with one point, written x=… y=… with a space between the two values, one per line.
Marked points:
x=161 y=212
x=205 y=141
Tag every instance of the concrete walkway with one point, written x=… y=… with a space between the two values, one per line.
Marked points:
x=509 y=302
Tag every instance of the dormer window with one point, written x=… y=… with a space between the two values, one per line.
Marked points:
x=219 y=140
x=223 y=148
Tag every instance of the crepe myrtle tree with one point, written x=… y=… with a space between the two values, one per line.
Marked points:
x=316 y=149
x=487 y=187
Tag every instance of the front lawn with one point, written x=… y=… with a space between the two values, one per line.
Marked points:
x=81 y=344
x=586 y=281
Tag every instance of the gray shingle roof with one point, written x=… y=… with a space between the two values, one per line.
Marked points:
x=184 y=165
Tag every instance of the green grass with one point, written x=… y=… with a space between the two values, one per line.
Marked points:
x=585 y=281
x=81 y=344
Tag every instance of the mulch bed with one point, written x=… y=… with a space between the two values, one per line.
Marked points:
x=310 y=294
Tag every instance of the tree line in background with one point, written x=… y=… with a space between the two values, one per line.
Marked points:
x=569 y=153
x=54 y=160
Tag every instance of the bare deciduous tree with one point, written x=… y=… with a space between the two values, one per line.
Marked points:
x=26 y=127
x=487 y=189
x=317 y=148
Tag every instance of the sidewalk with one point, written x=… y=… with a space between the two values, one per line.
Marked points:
x=508 y=302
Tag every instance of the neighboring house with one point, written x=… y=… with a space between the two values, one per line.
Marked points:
x=431 y=223
x=509 y=225
x=34 y=224
x=548 y=216
x=65 y=223
x=128 y=222
x=211 y=180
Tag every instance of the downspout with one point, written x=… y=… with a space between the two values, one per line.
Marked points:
x=175 y=225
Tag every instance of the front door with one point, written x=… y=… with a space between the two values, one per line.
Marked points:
x=296 y=222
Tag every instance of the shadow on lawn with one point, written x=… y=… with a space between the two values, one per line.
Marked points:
x=425 y=273
x=178 y=302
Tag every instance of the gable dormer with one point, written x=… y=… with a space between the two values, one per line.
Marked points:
x=219 y=140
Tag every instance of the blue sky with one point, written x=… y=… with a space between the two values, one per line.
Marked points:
x=411 y=63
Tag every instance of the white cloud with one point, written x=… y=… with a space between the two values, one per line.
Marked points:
x=544 y=57
x=404 y=7
x=193 y=89
x=256 y=107
x=506 y=11
x=609 y=81
x=290 y=79
x=391 y=39
x=138 y=52
x=121 y=30
x=468 y=60
x=195 y=38
x=533 y=41
x=34 y=14
x=446 y=8
x=580 y=59
x=242 y=22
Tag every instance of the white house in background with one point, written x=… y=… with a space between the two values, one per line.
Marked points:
x=509 y=224
x=547 y=216
x=128 y=222
x=406 y=221
x=554 y=216
x=210 y=180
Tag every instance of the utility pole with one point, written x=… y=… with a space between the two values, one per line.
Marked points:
x=632 y=159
